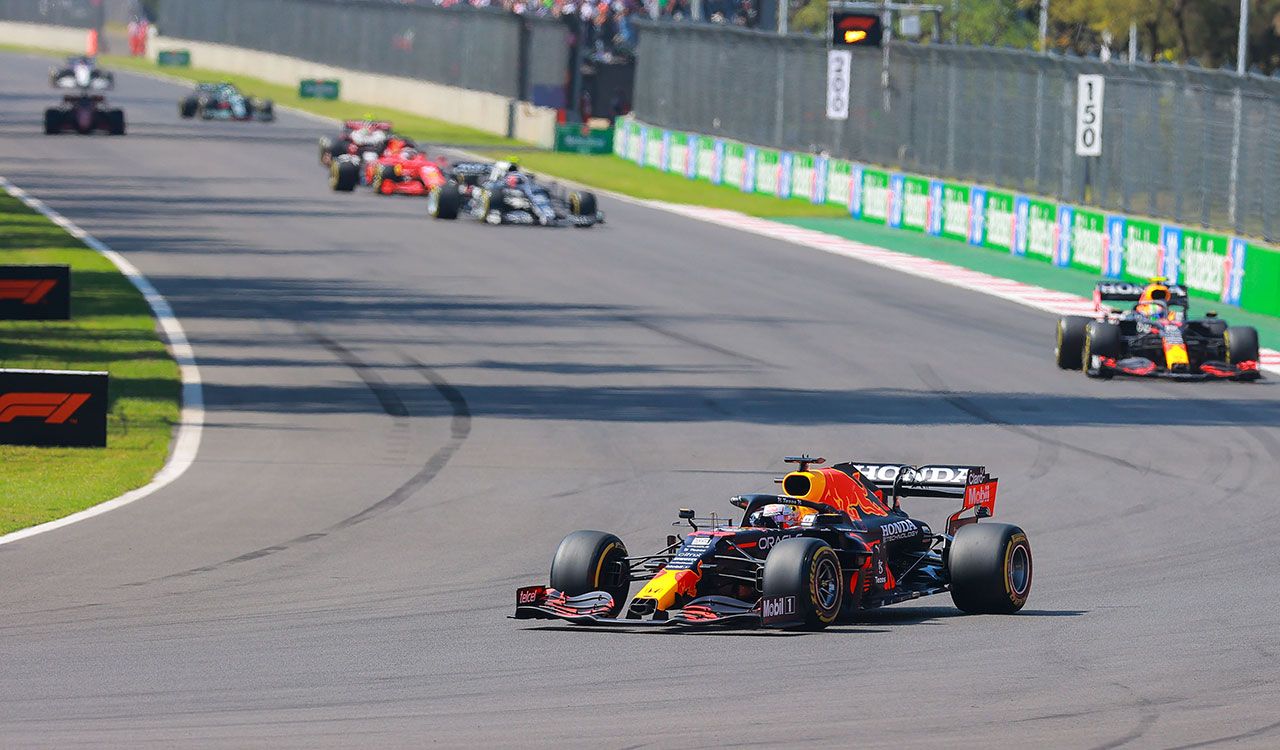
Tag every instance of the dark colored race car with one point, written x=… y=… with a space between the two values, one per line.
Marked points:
x=358 y=137
x=81 y=72
x=1154 y=338
x=509 y=195
x=837 y=542
x=84 y=112
x=223 y=101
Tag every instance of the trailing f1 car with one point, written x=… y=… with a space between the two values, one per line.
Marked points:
x=396 y=168
x=223 y=101
x=1154 y=338
x=835 y=543
x=358 y=137
x=84 y=112
x=509 y=195
x=81 y=72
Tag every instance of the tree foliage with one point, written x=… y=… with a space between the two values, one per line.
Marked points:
x=1199 y=31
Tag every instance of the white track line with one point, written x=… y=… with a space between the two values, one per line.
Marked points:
x=1039 y=298
x=191 y=420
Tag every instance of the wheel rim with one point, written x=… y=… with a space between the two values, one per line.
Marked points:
x=1019 y=570
x=826 y=584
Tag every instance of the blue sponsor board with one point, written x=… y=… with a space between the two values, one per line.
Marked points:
x=1234 y=282
x=749 y=169
x=664 y=160
x=691 y=156
x=821 y=168
x=717 y=168
x=1171 y=242
x=1021 y=224
x=1113 y=248
x=896 y=184
x=977 y=215
x=1062 y=236
x=786 y=160
x=855 y=191
x=934 y=226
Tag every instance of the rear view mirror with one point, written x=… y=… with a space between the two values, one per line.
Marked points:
x=686 y=514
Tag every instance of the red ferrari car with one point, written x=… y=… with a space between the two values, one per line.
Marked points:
x=405 y=171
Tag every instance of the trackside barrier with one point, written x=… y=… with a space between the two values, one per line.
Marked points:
x=1230 y=270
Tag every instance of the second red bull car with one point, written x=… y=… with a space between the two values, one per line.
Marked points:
x=835 y=543
x=1154 y=338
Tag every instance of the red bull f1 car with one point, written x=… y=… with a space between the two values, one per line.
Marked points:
x=1154 y=338
x=836 y=542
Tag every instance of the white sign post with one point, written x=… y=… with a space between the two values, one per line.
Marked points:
x=1089 y=115
x=839 y=66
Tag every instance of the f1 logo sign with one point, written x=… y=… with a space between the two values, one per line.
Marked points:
x=53 y=408
x=35 y=292
x=64 y=408
x=26 y=291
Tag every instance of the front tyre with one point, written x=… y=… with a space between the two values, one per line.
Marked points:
x=809 y=570
x=1068 y=352
x=444 y=201
x=588 y=561
x=1242 y=344
x=343 y=176
x=990 y=567
x=1100 y=340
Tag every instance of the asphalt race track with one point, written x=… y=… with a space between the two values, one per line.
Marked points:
x=406 y=416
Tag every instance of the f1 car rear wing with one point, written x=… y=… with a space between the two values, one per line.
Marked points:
x=1120 y=291
x=971 y=483
x=902 y=480
x=372 y=125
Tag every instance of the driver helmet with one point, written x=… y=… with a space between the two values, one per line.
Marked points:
x=408 y=153
x=1154 y=300
x=513 y=180
x=777 y=516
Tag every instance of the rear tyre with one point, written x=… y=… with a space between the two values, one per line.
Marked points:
x=187 y=108
x=588 y=561
x=115 y=121
x=1100 y=340
x=809 y=570
x=1242 y=344
x=343 y=176
x=990 y=567
x=1069 y=350
x=445 y=201
x=52 y=122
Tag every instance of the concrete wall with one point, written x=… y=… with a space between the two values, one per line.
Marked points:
x=62 y=38
x=484 y=111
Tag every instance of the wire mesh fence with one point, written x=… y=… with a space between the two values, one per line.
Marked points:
x=473 y=48
x=1180 y=143
x=77 y=13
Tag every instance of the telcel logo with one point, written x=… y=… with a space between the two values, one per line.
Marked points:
x=53 y=408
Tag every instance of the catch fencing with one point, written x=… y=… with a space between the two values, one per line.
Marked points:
x=472 y=48
x=1181 y=143
x=75 y=13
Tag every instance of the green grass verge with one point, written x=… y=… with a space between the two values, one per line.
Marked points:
x=1005 y=265
x=112 y=329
